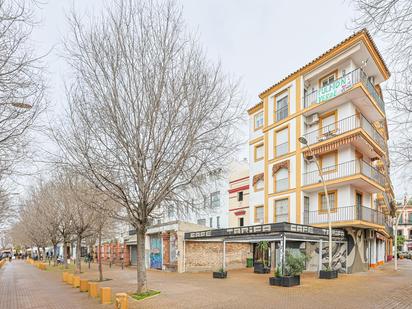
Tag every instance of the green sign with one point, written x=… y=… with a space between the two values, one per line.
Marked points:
x=334 y=89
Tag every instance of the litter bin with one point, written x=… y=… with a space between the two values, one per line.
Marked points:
x=249 y=262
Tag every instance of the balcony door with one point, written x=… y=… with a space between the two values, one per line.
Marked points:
x=358 y=202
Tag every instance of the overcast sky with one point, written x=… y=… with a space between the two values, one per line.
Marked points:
x=258 y=41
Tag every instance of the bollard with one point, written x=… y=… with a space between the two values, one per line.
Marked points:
x=121 y=301
x=65 y=273
x=105 y=295
x=84 y=285
x=69 y=279
x=93 y=289
x=76 y=281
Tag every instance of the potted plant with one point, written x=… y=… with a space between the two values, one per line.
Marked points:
x=221 y=274
x=260 y=266
x=277 y=279
x=295 y=265
x=328 y=273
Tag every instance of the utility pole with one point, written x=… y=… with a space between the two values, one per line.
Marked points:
x=395 y=232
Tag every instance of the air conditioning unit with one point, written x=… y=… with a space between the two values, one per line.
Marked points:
x=312 y=119
x=370 y=234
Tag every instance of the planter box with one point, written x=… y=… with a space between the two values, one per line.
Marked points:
x=259 y=268
x=328 y=274
x=285 y=281
x=219 y=275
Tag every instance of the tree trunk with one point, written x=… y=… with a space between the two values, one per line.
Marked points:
x=99 y=257
x=65 y=254
x=141 y=265
x=78 y=253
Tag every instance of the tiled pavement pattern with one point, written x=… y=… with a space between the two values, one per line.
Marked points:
x=23 y=286
x=380 y=288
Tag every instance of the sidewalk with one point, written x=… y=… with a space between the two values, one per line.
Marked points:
x=23 y=286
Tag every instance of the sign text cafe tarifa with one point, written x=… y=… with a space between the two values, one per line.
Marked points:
x=264 y=229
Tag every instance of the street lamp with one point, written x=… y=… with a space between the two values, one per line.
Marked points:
x=303 y=141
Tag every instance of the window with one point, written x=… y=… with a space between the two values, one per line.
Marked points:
x=400 y=233
x=241 y=221
x=410 y=234
x=306 y=210
x=328 y=79
x=240 y=196
x=281 y=210
x=282 y=180
x=211 y=222
x=215 y=199
x=258 y=120
x=259 y=185
x=282 y=142
x=282 y=102
x=259 y=214
x=218 y=222
x=259 y=152
x=328 y=125
x=201 y=222
x=329 y=162
x=410 y=217
x=333 y=201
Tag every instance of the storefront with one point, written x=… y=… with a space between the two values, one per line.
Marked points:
x=230 y=248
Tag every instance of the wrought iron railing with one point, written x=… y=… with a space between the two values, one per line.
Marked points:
x=344 y=170
x=342 y=85
x=342 y=126
x=348 y=213
x=281 y=149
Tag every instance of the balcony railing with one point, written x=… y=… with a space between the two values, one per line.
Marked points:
x=281 y=149
x=344 y=170
x=348 y=213
x=342 y=85
x=342 y=126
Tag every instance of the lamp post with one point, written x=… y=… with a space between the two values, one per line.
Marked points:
x=303 y=141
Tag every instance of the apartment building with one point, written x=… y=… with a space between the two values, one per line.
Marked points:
x=335 y=102
x=239 y=194
x=405 y=227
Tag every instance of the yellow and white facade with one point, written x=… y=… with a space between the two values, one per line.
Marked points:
x=335 y=103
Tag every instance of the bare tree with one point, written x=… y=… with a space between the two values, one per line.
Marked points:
x=392 y=22
x=149 y=114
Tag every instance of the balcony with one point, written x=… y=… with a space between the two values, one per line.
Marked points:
x=345 y=125
x=347 y=214
x=341 y=86
x=346 y=169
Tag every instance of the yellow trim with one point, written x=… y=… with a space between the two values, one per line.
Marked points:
x=335 y=204
x=256 y=140
x=274 y=207
x=255 y=108
x=266 y=172
x=255 y=213
x=326 y=76
x=275 y=181
x=254 y=121
x=288 y=155
x=275 y=141
x=345 y=179
x=326 y=115
x=360 y=36
x=298 y=152
x=335 y=152
x=255 y=157
x=352 y=223
x=275 y=99
x=282 y=193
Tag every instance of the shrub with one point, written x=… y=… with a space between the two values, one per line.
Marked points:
x=295 y=263
x=278 y=272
